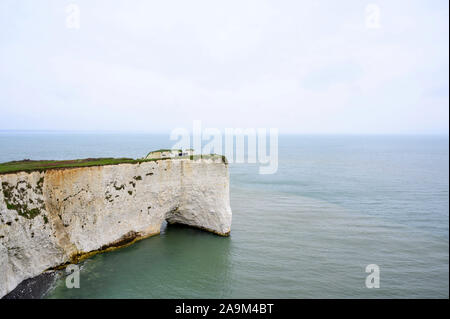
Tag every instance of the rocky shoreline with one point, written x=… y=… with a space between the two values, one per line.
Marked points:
x=36 y=287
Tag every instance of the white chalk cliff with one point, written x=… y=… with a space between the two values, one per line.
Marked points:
x=56 y=217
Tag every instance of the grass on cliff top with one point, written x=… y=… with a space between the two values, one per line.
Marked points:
x=166 y=150
x=30 y=165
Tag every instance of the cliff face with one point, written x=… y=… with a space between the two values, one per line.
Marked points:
x=55 y=217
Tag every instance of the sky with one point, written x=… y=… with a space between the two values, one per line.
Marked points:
x=307 y=67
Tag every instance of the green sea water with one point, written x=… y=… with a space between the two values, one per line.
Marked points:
x=336 y=205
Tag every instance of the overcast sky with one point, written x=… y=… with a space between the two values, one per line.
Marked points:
x=300 y=66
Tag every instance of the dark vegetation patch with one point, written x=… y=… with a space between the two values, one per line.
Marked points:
x=125 y=239
x=118 y=188
x=16 y=200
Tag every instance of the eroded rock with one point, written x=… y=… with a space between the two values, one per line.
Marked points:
x=51 y=218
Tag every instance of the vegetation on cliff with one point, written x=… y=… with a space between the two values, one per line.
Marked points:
x=30 y=165
x=16 y=198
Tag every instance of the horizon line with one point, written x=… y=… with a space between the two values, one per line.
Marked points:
x=280 y=133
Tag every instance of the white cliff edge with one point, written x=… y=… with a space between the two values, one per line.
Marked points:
x=56 y=217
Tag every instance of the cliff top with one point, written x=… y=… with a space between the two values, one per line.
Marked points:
x=166 y=150
x=42 y=165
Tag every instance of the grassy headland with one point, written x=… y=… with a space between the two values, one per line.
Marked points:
x=30 y=165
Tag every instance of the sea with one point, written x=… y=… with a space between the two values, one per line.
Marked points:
x=336 y=205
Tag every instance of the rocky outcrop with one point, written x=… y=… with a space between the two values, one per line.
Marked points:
x=59 y=216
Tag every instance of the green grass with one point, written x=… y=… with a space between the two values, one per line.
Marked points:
x=29 y=165
x=164 y=150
